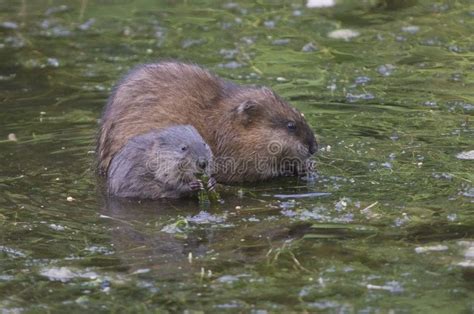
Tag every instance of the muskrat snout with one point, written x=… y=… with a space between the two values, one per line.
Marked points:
x=312 y=147
x=202 y=164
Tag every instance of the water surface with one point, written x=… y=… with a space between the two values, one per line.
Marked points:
x=388 y=224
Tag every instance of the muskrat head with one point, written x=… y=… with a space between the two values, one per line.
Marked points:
x=180 y=154
x=274 y=137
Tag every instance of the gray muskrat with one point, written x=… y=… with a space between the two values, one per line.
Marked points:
x=252 y=132
x=161 y=164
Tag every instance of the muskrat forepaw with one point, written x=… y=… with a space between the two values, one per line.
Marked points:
x=310 y=165
x=196 y=185
x=211 y=184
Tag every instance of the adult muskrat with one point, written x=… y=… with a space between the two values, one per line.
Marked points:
x=160 y=164
x=253 y=133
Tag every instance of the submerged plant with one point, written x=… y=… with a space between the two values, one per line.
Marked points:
x=208 y=195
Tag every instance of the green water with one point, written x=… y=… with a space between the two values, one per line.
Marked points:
x=392 y=108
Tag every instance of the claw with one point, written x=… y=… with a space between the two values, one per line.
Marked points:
x=196 y=185
x=211 y=184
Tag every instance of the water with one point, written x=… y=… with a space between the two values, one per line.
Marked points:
x=387 y=225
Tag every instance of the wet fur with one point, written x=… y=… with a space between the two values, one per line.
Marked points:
x=238 y=122
x=153 y=165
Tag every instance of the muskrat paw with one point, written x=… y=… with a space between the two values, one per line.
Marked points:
x=211 y=184
x=310 y=165
x=196 y=185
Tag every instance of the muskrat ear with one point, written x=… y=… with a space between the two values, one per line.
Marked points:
x=247 y=110
x=248 y=107
x=267 y=91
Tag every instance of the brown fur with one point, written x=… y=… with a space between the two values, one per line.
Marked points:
x=238 y=122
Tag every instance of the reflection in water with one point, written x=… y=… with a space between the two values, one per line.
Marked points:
x=140 y=241
x=177 y=238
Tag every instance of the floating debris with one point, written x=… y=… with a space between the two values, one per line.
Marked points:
x=231 y=5
x=469 y=192
x=302 y=195
x=342 y=204
x=204 y=217
x=443 y=176
x=362 y=80
x=86 y=25
x=188 y=43
x=57 y=227
x=177 y=227
x=12 y=137
x=14 y=42
x=452 y=217
x=430 y=103
x=7 y=77
x=288 y=204
x=8 y=25
x=228 y=279
x=11 y=252
x=412 y=29
x=469 y=252
x=297 y=13
x=430 y=42
x=70 y=199
x=320 y=3
x=468 y=155
x=432 y=248
x=248 y=40
x=400 y=38
x=228 y=53
x=65 y=274
x=467 y=264
x=468 y=247
x=58 y=9
x=344 y=34
x=231 y=65
x=391 y=286
x=386 y=69
x=141 y=271
x=53 y=62
x=280 y=42
x=309 y=47
x=269 y=24
x=454 y=48
x=356 y=97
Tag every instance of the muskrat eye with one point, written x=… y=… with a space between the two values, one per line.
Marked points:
x=291 y=126
x=184 y=148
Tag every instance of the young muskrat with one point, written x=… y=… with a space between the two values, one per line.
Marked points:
x=161 y=164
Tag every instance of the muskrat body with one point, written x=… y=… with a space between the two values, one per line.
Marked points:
x=160 y=164
x=253 y=133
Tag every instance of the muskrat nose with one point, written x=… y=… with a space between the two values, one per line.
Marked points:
x=313 y=147
x=202 y=164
